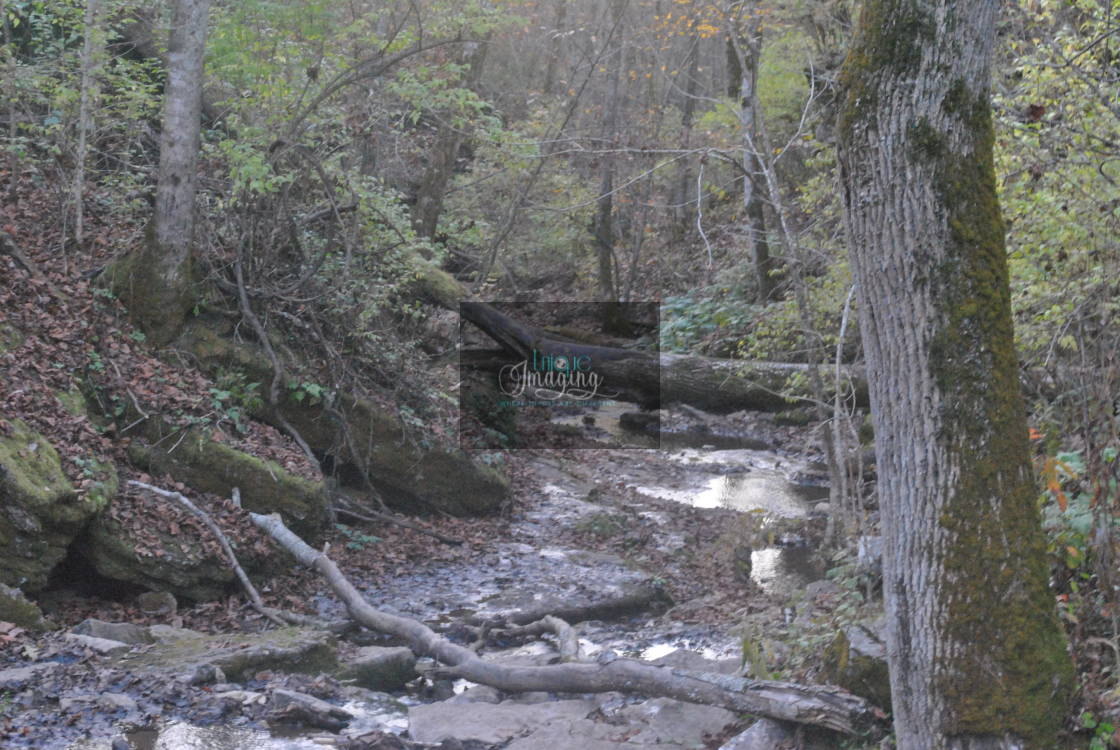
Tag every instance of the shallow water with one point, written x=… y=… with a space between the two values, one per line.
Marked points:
x=182 y=736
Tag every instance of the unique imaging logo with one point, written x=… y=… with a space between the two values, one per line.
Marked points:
x=551 y=377
x=556 y=374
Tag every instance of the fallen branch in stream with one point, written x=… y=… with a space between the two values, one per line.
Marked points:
x=821 y=706
x=276 y=616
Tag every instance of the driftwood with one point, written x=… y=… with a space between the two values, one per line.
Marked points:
x=629 y=601
x=822 y=706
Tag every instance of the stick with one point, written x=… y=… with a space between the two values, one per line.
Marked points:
x=376 y=515
x=823 y=706
x=566 y=638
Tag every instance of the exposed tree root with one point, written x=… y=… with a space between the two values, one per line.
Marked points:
x=828 y=707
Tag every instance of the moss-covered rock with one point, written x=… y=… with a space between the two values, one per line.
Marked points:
x=239 y=656
x=410 y=475
x=198 y=461
x=857 y=661
x=40 y=510
x=15 y=608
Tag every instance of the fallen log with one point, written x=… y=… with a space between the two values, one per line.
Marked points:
x=651 y=379
x=630 y=600
x=822 y=706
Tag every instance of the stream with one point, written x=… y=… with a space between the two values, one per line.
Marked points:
x=532 y=566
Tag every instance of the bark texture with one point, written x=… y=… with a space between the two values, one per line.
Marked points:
x=977 y=657
x=157 y=283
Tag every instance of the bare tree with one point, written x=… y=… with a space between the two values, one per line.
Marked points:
x=157 y=282
x=977 y=658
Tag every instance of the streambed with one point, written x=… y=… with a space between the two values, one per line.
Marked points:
x=710 y=477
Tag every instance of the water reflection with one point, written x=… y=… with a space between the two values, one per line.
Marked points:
x=785 y=570
x=767 y=491
x=182 y=736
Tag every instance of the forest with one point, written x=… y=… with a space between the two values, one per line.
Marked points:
x=593 y=374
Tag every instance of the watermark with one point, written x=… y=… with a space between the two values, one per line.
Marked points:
x=566 y=376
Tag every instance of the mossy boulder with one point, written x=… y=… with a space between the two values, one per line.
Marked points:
x=40 y=510
x=156 y=559
x=411 y=475
x=200 y=462
x=15 y=608
x=857 y=661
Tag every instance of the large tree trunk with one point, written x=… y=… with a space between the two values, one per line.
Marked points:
x=157 y=283
x=977 y=658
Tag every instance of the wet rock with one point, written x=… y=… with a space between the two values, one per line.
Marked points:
x=16 y=609
x=857 y=661
x=685 y=659
x=764 y=734
x=116 y=702
x=478 y=694
x=380 y=667
x=184 y=652
x=489 y=722
x=40 y=511
x=17 y=677
x=124 y=632
x=210 y=466
x=103 y=646
x=292 y=707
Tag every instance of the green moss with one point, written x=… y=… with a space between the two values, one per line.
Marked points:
x=16 y=609
x=42 y=511
x=209 y=466
x=240 y=655
x=889 y=42
x=158 y=306
x=1014 y=674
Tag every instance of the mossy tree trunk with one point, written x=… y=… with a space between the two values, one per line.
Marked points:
x=977 y=658
x=157 y=283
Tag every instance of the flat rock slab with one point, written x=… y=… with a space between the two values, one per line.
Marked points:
x=17 y=677
x=124 y=632
x=103 y=646
x=566 y=725
x=490 y=722
x=180 y=652
x=764 y=734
